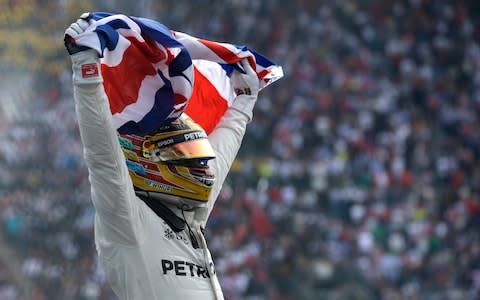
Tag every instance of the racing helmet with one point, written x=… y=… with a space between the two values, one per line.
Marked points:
x=171 y=163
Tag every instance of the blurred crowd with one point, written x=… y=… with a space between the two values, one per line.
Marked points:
x=359 y=177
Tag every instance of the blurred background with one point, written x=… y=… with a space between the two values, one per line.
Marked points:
x=359 y=177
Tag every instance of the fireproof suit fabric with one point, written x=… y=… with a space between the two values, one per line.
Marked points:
x=141 y=255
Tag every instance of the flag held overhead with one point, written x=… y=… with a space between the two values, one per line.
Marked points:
x=153 y=74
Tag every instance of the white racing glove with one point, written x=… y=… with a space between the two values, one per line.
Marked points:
x=75 y=29
x=85 y=61
x=246 y=86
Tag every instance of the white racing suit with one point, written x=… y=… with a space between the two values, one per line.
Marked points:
x=142 y=256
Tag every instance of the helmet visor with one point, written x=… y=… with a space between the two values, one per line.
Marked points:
x=199 y=148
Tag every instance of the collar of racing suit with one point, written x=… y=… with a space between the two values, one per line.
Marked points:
x=162 y=210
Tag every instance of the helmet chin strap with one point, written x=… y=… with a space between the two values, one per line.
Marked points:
x=179 y=202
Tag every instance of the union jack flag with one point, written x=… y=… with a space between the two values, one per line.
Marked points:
x=153 y=74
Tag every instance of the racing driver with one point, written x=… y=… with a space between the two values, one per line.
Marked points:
x=153 y=194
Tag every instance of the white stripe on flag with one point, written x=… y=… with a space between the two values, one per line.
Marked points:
x=217 y=76
x=114 y=58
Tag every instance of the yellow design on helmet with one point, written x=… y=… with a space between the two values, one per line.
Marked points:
x=173 y=161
